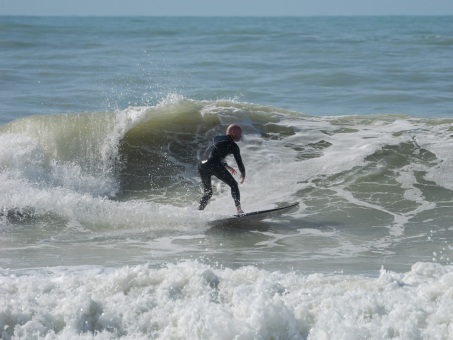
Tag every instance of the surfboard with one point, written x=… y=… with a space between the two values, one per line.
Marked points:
x=257 y=215
x=263 y=214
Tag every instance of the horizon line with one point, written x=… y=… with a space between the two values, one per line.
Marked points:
x=220 y=16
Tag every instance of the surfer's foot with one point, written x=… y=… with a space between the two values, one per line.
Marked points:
x=202 y=205
x=239 y=210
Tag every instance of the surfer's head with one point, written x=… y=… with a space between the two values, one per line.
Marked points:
x=235 y=132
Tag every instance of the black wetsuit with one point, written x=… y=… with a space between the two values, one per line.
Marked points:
x=212 y=163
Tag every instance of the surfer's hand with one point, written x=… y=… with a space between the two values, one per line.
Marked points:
x=241 y=180
x=230 y=169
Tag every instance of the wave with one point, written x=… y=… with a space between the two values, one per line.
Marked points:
x=387 y=168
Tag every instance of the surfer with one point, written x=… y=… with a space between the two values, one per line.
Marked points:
x=213 y=163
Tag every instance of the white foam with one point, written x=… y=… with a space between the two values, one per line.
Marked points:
x=190 y=300
x=437 y=139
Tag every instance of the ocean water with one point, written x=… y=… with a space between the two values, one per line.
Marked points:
x=102 y=121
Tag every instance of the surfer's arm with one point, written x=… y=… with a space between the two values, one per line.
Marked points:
x=238 y=158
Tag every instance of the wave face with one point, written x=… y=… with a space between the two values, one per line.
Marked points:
x=386 y=172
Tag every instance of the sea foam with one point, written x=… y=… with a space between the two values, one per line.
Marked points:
x=192 y=300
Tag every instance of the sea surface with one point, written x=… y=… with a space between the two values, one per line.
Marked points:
x=102 y=121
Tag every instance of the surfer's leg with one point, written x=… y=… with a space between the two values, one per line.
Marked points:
x=225 y=176
x=207 y=189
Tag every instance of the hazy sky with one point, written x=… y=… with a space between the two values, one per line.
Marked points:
x=226 y=7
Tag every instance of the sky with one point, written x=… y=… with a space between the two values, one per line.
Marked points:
x=225 y=7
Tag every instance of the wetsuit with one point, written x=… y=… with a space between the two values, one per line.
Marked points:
x=213 y=163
